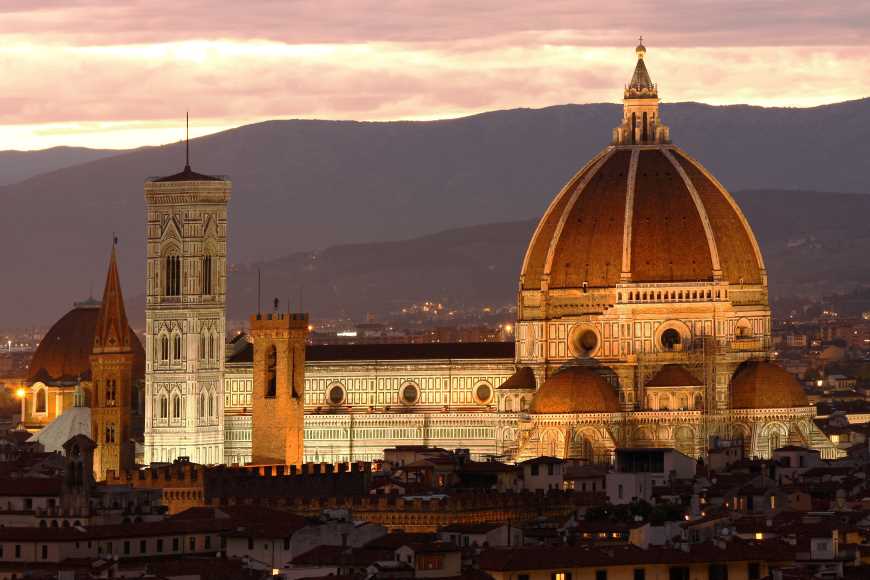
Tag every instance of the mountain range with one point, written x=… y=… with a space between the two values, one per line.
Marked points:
x=331 y=188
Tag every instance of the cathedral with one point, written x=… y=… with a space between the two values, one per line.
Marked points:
x=642 y=321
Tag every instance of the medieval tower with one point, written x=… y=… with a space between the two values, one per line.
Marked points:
x=185 y=316
x=279 y=379
x=112 y=377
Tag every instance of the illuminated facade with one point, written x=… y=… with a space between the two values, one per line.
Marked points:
x=185 y=316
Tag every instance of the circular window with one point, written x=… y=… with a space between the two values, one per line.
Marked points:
x=671 y=339
x=483 y=393
x=336 y=395
x=584 y=341
x=410 y=394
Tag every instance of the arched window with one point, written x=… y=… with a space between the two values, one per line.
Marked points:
x=41 y=403
x=176 y=407
x=200 y=407
x=699 y=401
x=206 y=275
x=271 y=371
x=164 y=348
x=684 y=402
x=173 y=276
x=211 y=342
x=665 y=402
x=202 y=351
x=176 y=346
x=164 y=407
x=509 y=405
x=211 y=405
x=644 y=138
x=633 y=128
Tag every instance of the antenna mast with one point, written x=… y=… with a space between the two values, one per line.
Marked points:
x=187 y=139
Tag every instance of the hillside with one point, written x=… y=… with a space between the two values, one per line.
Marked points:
x=17 y=166
x=811 y=243
x=301 y=186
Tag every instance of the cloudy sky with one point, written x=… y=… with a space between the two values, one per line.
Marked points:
x=116 y=73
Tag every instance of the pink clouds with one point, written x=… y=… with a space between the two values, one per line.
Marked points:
x=91 y=70
x=673 y=22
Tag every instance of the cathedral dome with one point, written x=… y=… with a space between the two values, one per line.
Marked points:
x=765 y=385
x=63 y=354
x=641 y=213
x=575 y=390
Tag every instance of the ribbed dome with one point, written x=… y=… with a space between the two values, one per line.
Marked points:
x=575 y=390
x=63 y=355
x=765 y=385
x=641 y=213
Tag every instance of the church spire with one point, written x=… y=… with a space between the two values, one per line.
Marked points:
x=641 y=124
x=112 y=333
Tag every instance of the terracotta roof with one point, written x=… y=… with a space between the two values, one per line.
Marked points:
x=30 y=487
x=668 y=241
x=187 y=174
x=64 y=353
x=575 y=390
x=523 y=378
x=765 y=385
x=427 y=351
x=674 y=376
x=553 y=558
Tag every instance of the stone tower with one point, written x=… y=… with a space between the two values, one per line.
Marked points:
x=279 y=388
x=185 y=316
x=112 y=376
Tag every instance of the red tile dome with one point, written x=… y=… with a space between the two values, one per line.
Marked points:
x=765 y=385
x=575 y=390
x=63 y=355
x=641 y=213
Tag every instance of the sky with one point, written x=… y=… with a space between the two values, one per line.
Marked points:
x=120 y=74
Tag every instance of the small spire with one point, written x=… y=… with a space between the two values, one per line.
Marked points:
x=640 y=49
x=112 y=331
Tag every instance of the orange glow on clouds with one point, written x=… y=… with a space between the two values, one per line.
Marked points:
x=121 y=74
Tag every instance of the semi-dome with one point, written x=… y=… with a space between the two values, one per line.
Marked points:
x=63 y=355
x=765 y=385
x=575 y=390
x=644 y=211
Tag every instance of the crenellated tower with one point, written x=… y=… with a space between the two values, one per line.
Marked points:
x=185 y=316
x=112 y=376
x=279 y=387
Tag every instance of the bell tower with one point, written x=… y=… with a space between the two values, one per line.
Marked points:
x=185 y=316
x=112 y=376
x=279 y=387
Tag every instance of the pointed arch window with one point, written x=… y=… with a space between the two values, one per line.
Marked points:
x=176 y=407
x=111 y=393
x=41 y=401
x=173 y=275
x=211 y=346
x=164 y=407
x=200 y=408
x=207 y=275
x=211 y=405
x=176 y=347
x=271 y=371
x=164 y=348
x=202 y=351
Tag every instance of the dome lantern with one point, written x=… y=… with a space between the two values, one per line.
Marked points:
x=641 y=124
